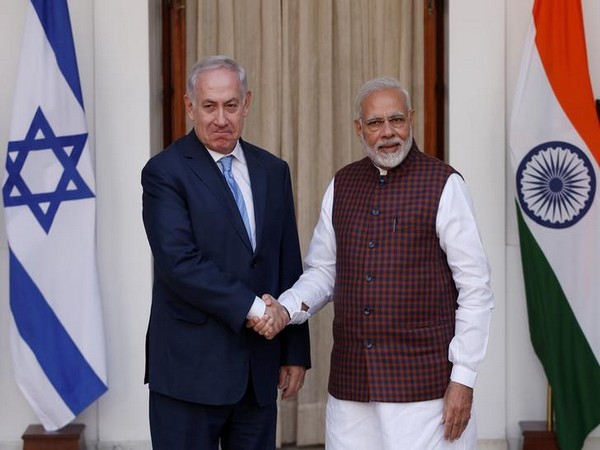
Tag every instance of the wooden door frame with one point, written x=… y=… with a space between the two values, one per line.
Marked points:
x=173 y=69
x=174 y=73
x=435 y=79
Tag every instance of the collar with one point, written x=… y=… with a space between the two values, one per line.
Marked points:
x=237 y=153
x=384 y=172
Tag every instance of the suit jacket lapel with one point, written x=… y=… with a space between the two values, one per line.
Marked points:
x=202 y=164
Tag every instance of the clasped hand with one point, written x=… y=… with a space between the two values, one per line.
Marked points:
x=273 y=320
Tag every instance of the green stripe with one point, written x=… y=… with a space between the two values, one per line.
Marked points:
x=570 y=365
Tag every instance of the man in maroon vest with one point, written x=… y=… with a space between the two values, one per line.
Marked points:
x=398 y=251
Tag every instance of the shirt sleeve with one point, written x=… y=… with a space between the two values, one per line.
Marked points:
x=314 y=288
x=460 y=239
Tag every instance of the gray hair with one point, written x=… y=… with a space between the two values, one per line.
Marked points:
x=212 y=63
x=375 y=85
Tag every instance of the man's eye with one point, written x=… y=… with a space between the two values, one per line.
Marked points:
x=396 y=121
x=375 y=123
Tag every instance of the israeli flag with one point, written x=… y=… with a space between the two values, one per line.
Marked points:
x=57 y=337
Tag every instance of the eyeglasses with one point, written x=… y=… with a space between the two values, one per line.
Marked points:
x=396 y=121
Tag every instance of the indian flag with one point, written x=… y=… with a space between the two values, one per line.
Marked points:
x=555 y=154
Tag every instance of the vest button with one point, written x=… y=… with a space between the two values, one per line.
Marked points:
x=368 y=343
x=368 y=278
x=367 y=311
x=371 y=244
x=375 y=212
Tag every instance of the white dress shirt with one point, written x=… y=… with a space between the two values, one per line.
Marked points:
x=459 y=238
x=239 y=168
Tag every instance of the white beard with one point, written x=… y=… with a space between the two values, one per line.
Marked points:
x=384 y=160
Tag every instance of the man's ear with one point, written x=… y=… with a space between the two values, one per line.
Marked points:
x=189 y=107
x=247 y=103
x=358 y=128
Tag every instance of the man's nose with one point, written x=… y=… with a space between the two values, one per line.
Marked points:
x=220 y=117
x=387 y=129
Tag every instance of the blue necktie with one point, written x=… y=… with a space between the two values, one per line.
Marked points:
x=237 y=193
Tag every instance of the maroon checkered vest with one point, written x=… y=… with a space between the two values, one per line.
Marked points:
x=395 y=298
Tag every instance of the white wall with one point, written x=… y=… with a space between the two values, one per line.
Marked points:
x=476 y=149
x=117 y=42
x=123 y=144
x=15 y=418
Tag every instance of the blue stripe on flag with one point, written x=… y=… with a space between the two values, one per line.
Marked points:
x=54 y=16
x=62 y=362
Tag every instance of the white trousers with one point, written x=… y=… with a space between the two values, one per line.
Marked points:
x=391 y=426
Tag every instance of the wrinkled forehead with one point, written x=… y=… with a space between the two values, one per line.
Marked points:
x=383 y=103
x=219 y=81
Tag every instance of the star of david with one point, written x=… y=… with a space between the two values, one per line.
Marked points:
x=66 y=150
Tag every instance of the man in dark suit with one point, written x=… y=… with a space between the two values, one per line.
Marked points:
x=219 y=216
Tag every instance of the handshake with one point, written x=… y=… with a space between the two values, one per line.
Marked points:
x=275 y=318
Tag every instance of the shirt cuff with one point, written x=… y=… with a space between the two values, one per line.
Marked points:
x=294 y=308
x=463 y=375
x=258 y=308
x=299 y=317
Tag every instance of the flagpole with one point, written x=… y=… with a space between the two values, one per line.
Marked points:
x=549 y=410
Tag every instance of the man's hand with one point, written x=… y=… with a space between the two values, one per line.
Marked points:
x=273 y=321
x=458 y=401
x=291 y=379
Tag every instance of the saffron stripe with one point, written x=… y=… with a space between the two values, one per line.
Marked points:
x=560 y=41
